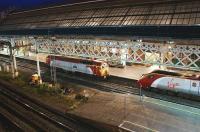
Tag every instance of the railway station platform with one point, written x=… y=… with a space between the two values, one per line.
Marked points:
x=134 y=71
x=130 y=72
x=137 y=70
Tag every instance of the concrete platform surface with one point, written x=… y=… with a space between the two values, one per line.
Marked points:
x=129 y=113
x=130 y=72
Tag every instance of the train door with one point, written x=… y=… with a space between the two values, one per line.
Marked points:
x=195 y=87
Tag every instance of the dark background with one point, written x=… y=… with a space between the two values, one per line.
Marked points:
x=28 y=4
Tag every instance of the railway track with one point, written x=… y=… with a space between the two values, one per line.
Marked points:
x=123 y=89
x=7 y=124
x=100 y=84
x=111 y=85
x=36 y=116
x=37 y=120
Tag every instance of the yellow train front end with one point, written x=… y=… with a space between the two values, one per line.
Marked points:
x=104 y=70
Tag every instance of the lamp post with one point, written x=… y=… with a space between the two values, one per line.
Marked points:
x=13 y=59
x=38 y=63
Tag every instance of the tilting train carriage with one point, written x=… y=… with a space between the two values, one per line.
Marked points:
x=171 y=81
x=87 y=66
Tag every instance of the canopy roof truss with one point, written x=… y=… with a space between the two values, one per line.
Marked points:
x=174 y=13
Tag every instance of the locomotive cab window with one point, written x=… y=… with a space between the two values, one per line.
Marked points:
x=104 y=65
x=150 y=76
x=87 y=62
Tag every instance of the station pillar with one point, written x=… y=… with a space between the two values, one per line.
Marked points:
x=38 y=64
x=14 y=70
x=15 y=66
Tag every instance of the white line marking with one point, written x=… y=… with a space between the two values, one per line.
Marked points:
x=171 y=106
x=127 y=129
x=134 y=124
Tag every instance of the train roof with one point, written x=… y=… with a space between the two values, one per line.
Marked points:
x=172 y=73
x=167 y=72
x=76 y=59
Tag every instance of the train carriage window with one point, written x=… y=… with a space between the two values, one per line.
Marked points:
x=87 y=62
x=194 y=84
x=166 y=73
x=75 y=67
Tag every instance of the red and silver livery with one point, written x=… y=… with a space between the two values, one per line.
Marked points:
x=87 y=66
x=171 y=81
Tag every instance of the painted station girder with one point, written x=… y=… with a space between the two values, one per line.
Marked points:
x=163 y=54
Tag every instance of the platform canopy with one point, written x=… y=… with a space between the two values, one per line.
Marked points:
x=168 y=18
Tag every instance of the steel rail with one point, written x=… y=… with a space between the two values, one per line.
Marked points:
x=108 y=86
x=10 y=123
x=21 y=116
x=29 y=107
x=67 y=121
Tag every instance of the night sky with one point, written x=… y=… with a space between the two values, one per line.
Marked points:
x=26 y=4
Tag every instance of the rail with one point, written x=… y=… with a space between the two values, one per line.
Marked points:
x=59 y=121
x=115 y=85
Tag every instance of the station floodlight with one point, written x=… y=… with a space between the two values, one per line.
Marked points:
x=31 y=37
x=170 y=42
x=53 y=38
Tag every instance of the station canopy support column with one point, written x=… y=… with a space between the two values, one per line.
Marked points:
x=13 y=59
x=10 y=42
x=37 y=61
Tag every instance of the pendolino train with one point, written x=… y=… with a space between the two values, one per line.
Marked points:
x=171 y=81
x=81 y=65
